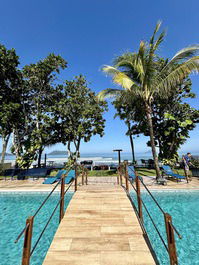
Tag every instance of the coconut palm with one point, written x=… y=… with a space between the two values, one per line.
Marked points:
x=139 y=74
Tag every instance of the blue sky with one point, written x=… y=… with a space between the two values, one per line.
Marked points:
x=91 y=33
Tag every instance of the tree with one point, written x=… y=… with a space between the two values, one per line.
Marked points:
x=78 y=115
x=126 y=112
x=10 y=85
x=38 y=97
x=172 y=119
x=139 y=75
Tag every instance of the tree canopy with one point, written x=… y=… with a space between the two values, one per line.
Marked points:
x=78 y=113
x=144 y=78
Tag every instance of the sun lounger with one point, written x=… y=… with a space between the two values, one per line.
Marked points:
x=34 y=173
x=70 y=176
x=168 y=171
x=131 y=173
x=11 y=172
x=51 y=180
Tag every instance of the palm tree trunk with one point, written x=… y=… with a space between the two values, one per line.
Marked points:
x=131 y=142
x=4 y=147
x=150 y=125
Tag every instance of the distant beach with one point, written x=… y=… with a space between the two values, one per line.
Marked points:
x=97 y=158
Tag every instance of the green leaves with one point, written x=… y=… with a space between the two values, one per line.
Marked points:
x=79 y=113
x=169 y=116
x=108 y=93
x=10 y=91
x=119 y=77
x=185 y=123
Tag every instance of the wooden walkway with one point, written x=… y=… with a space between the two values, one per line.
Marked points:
x=99 y=228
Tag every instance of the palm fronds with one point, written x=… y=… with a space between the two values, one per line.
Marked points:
x=119 y=77
x=166 y=81
x=185 y=53
x=108 y=93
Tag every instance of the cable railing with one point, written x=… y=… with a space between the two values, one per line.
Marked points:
x=170 y=246
x=28 y=229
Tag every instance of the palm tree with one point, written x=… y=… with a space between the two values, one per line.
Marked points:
x=139 y=74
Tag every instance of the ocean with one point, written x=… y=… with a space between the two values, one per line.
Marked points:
x=97 y=158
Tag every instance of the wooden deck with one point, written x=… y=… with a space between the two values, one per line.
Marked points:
x=99 y=228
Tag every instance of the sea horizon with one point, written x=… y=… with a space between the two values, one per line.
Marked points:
x=96 y=157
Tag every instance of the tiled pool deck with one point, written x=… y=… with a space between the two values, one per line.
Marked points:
x=36 y=185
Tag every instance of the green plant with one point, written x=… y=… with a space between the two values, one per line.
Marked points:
x=139 y=75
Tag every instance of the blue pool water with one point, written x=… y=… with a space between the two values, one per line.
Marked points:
x=14 y=209
x=184 y=209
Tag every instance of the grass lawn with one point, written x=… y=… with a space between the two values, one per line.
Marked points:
x=140 y=171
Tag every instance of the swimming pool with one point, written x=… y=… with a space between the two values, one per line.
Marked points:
x=184 y=209
x=14 y=209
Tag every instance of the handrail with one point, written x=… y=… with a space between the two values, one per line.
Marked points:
x=174 y=228
x=28 y=229
x=170 y=228
x=23 y=231
x=152 y=220
x=44 y=201
x=156 y=202
x=48 y=221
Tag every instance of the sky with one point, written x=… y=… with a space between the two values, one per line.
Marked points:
x=89 y=34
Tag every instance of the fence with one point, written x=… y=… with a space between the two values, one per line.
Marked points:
x=28 y=229
x=170 y=229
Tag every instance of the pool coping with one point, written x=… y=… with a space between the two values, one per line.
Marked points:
x=58 y=192
x=30 y=191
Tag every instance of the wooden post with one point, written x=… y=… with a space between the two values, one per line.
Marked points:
x=86 y=172
x=139 y=197
x=170 y=240
x=126 y=177
x=27 y=241
x=120 y=173
x=61 y=211
x=76 y=177
x=82 y=175
x=118 y=176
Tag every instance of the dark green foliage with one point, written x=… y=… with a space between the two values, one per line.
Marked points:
x=38 y=96
x=78 y=114
x=10 y=91
x=173 y=119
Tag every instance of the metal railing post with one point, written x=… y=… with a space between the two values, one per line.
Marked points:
x=139 y=197
x=61 y=211
x=76 y=177
x=126 y=177
x=170 y=239
x=27 y=241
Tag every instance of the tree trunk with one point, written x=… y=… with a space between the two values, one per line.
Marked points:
x=150 y=124
x=4 y=147
x=77 y=145
x=68 y=150
x=161 y=151
x=17 y=146
x=131 y=141
x=39 y=157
